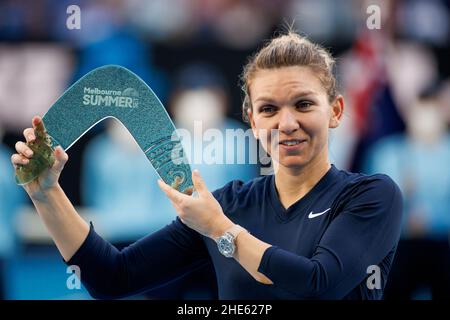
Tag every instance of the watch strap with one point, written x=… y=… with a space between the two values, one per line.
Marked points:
x=235 y=230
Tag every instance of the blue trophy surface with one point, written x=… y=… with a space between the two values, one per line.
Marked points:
x=112 y=92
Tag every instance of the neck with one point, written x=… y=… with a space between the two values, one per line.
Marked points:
x=294 y=183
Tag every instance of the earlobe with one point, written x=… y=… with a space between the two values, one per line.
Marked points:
x=337 y=110
x=334 y=123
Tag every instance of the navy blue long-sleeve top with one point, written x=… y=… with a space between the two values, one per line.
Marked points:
x=327 y=245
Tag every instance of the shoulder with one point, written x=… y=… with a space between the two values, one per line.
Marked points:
x=365 y=193
x=357 y=182
x=238 y=191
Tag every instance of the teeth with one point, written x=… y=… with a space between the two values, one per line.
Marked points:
x=291 y=142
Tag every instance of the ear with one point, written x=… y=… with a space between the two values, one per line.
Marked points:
x=337 y=109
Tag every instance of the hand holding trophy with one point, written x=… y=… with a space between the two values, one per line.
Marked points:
x=37 y=164
x=42 y=156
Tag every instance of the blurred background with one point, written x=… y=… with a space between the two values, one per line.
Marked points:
x=395 y=80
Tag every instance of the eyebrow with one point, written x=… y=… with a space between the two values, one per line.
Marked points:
x=296 y=96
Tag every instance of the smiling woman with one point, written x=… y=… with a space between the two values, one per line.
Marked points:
x=309 y=231
x=293 y=101
x=290 y=89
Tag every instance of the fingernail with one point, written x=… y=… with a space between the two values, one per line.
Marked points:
x=30 y=137
x=29 y=153
x=25 y=161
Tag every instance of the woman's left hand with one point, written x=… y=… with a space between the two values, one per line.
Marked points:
x=203 y=213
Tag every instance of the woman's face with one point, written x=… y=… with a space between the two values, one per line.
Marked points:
x=292 y=103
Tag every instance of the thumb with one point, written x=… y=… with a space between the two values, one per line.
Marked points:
x=199 y=183
x=61 y=158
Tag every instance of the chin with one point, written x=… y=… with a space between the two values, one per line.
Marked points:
x=294 y=162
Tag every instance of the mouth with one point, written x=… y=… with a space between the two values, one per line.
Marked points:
x=292 y=142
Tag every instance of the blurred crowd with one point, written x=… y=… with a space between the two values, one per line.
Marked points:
x=395 y=81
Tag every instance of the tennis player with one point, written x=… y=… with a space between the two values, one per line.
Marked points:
x=308 y=231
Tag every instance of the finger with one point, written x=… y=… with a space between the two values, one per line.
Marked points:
x=38 y=125
x=23 y=149
x=19 y=160
x=199 y=183
x=173 y=194
x=28 y=133
x=61 y=158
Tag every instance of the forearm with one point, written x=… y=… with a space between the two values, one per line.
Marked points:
x=156 y=259
x=288 y=270
x=64 y=224
x=249 y=253
x=249 y=249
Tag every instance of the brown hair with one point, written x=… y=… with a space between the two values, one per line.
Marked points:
x=287 y=50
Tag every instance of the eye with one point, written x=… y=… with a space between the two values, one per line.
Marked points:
x=303 y=104
x=267 y=109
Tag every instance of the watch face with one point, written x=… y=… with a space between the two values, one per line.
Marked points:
x=226 y=246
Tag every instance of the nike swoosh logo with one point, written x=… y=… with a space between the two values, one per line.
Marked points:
x=313 y=215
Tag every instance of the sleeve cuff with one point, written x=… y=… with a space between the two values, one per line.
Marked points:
x=265 y=260
x=87 y=243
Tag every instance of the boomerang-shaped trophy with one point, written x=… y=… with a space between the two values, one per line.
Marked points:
x=111 y=92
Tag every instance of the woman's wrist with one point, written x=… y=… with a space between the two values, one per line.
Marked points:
x=220 y=226
x=43 y=195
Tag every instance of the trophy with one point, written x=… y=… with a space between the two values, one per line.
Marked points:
x=111 y=92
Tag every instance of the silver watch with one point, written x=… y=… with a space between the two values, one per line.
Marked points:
x=226 y=243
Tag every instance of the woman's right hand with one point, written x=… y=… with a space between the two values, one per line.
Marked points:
x=49 y=178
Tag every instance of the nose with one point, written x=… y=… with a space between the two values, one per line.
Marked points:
x=287 y=121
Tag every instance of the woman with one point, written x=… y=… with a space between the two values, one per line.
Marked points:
x=310 y=231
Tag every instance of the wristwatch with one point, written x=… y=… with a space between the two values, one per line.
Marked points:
x=226 y=243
